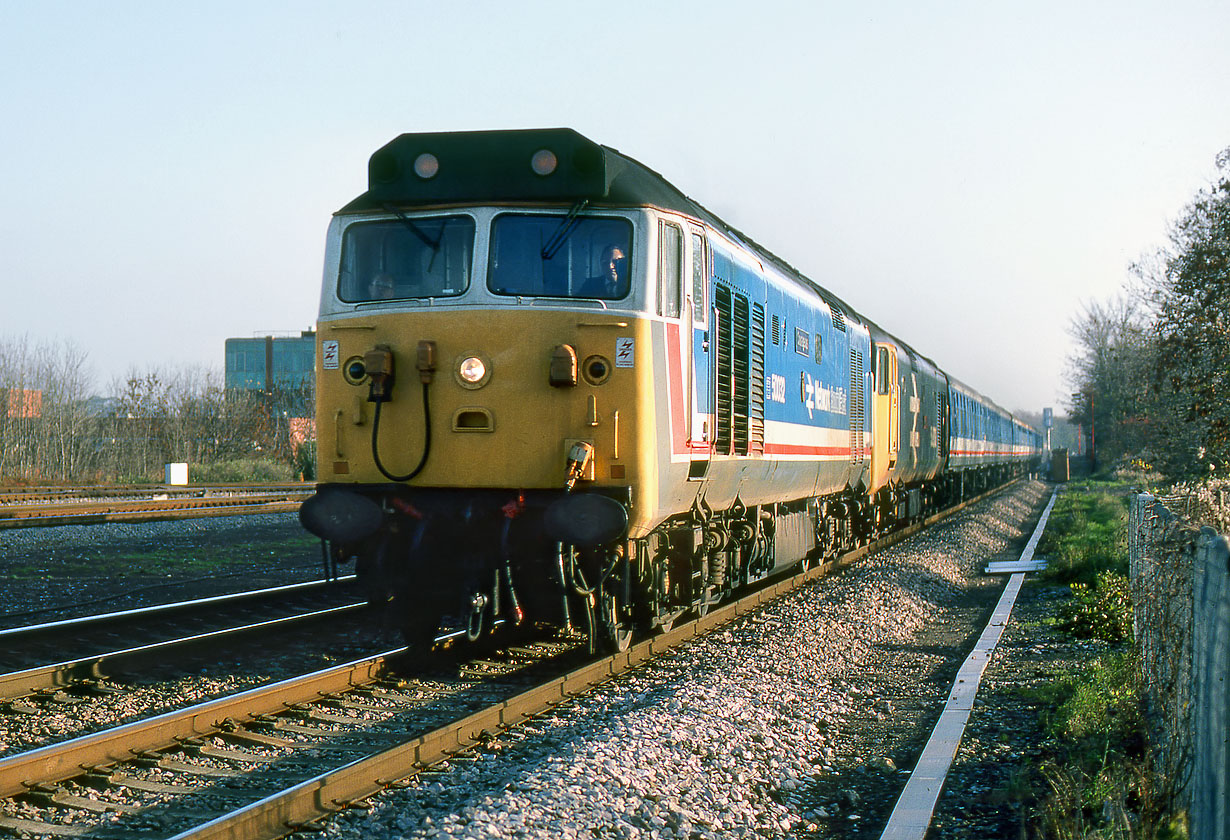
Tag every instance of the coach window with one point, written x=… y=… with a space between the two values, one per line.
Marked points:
x=882 y=370
x=698 y=279
x=670 y=270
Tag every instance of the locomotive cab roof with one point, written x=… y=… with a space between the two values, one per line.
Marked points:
x=530 y=165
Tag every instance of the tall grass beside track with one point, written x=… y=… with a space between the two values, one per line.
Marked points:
x=1095 y=777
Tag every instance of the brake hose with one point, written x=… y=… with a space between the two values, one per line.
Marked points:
x=426 y=442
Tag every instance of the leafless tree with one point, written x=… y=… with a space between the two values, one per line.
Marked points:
x=1110 y=375
x=45 y=430
x=51 y=429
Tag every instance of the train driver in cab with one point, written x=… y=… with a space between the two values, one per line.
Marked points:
x=382 y=287
x=612 y=278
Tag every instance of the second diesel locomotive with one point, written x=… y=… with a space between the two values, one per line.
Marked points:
x=553 y=388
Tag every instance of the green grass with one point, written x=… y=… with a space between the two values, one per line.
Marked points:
x=1098 y=703
x=1086 y=535
x=169 y=558
x=1099 y=778
x=245 y=470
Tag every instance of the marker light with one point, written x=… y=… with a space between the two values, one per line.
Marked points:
x=426 y=165
x=543 y=162
x=472 y=372
x=354 y=371
x=596 y=369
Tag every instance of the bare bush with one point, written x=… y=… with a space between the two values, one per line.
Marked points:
x=188 y=416
x=52 y=429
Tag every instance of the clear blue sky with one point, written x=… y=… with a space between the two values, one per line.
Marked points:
x=965 y=173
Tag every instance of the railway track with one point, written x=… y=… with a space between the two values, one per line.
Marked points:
x=40 y=507
x=108 y=645
x=14 y=495
x=273 y=759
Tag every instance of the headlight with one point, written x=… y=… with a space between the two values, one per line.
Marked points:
x=473 y=372
x=472 y=369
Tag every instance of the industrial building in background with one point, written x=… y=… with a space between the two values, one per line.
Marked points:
x=279 y=367
x=264 y=363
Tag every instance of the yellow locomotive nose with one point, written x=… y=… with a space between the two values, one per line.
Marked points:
x=508 y=398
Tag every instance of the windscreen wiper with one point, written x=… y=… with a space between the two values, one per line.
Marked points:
x=557 y=240
x=433 y=244
x=415 y=229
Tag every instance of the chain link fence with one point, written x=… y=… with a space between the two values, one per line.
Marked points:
x=1181 y=596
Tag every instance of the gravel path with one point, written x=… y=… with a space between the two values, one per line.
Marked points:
x=991 y=787
x=790 y=722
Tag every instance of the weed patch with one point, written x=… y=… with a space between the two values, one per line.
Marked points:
x=1099 y=611
x=1099 y=778
x=245 y=471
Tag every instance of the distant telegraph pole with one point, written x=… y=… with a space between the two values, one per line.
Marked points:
x=1077 y=399
x=1093 y=438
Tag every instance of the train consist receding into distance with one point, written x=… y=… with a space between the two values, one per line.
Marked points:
x=552 y=388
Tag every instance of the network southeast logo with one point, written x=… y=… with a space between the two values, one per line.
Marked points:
x=813 y=393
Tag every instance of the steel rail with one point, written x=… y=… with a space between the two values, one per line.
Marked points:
x=65 y=760
x=100 y=666
x=338 y=789
x=94 y=623
x=12 y=495
x=147 y=511
x=27 y=510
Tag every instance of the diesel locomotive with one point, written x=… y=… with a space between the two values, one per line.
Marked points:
x=552 y=388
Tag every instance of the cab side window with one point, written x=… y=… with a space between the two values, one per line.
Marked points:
x=670 y=269
x=698 y=279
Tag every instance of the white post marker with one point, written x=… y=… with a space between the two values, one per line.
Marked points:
x=912 y=814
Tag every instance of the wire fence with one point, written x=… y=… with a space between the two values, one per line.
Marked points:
x=1181 y=596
